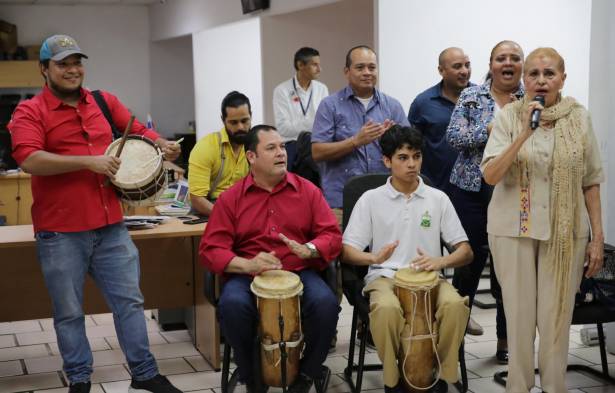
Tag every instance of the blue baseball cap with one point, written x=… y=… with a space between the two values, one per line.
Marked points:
x=59 y=47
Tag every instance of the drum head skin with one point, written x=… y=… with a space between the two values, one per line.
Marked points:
x=276 y=284
x=409 y=277
x=141 y=160
x=141 y=176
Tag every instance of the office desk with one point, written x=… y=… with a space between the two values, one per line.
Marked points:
x=171 y=277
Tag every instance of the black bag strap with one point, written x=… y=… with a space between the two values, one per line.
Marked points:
x=102 y=104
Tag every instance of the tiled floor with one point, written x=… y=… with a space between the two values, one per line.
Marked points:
x=30 y=362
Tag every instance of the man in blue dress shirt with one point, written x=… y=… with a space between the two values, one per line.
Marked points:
x=349 y=123
x=431 y=112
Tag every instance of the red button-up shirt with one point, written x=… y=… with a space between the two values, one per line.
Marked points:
x=74 y=201
x=247 y=219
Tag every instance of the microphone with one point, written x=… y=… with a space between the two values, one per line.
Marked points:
x=535 y=120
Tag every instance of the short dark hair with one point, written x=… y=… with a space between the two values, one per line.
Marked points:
x=252 y=137
x=234 y=99
x=45 y=64
x=397 y=137
x=349 y=59
x=304 y=55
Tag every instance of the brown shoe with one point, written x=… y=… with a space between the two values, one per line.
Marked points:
x=474 y=329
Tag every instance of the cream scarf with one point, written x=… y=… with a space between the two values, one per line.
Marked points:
x=566 y=188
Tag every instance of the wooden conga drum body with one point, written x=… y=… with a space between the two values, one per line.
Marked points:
x=277 y=293
x=417 y=294
x=141 y=176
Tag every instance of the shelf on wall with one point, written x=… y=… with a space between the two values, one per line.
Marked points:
x=20 y=74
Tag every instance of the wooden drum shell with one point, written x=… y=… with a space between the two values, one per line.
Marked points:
x=417 y=358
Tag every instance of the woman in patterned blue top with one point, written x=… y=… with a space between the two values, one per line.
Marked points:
x=468 y=132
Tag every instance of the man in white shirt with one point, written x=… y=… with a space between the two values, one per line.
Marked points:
x=295 y=101
x=402 y=222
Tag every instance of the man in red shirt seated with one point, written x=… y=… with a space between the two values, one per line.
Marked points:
x=272 y=219
x=60 y=137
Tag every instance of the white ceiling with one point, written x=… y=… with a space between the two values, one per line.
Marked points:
x=81 y=2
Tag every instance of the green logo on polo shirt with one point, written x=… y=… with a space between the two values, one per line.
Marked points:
x=426 y=220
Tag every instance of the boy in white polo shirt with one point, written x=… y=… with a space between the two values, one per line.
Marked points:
x=403 y=222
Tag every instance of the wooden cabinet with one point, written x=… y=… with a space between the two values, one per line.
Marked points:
x=16 y=198
x=18 y=74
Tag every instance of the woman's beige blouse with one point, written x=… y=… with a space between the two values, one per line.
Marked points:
x=503 y=215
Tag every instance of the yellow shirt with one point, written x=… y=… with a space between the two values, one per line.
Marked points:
x=503 y=214
x=204 y=164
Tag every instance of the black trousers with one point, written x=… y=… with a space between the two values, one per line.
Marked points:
x=471 y=208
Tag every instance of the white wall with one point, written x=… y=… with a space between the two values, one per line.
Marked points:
x=608 y=129
x=349 y=21
x=601 y=96
x=180 y=17
x=226 y=58
x=411 y=34
x=116 y=38
x=172 y=84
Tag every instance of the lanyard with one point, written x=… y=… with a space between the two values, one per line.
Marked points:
x=304 y=110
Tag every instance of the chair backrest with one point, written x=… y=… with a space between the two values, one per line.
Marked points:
x=355 y=187
x=352 y=276
x=304 y=164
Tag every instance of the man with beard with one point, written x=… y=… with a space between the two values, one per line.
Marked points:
x=431 y=112
x=60 y=137
x=218 y=160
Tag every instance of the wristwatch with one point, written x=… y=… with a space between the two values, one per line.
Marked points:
x=313 y=250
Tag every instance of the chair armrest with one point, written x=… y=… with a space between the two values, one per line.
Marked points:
x=329 y=275
x=210 y=287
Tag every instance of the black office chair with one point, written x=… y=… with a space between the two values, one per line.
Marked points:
x=585 y=314
x=212 y=287
x=352 y=284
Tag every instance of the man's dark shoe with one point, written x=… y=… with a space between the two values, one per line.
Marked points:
x=302 y=384
x=251 y=388
x=440 y=387
x=157 y=384
x=321 y=383
x=80 y=387
x=397 y=389
x=502 y=356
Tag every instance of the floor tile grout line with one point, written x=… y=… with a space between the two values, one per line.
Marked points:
x=24 y=369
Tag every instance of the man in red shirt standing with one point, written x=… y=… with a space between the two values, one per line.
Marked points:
x=60 y=137
x=273 y=219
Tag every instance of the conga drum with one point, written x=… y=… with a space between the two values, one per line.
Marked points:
x=141 y=176
x=417 y=293
x=277 y=297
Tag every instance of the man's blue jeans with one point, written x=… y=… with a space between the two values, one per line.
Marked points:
x=238 y=320
x=112 y=260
